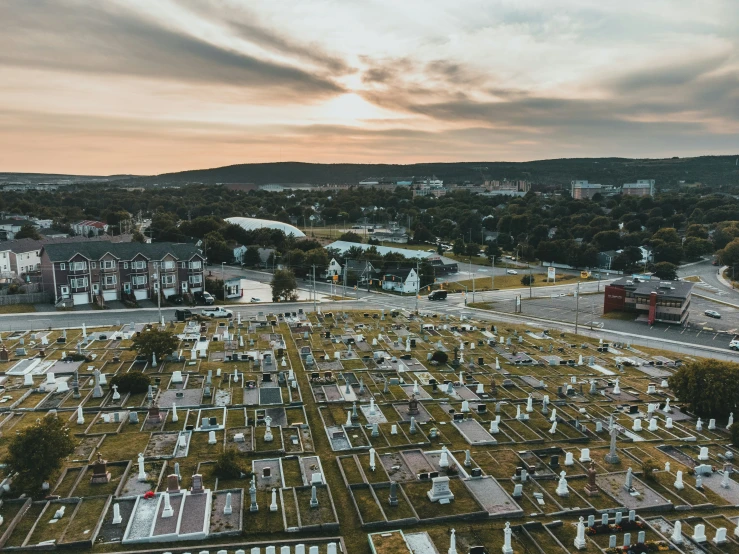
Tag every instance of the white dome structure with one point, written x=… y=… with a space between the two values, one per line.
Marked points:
x=251 y=224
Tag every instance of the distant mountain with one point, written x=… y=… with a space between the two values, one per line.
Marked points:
x=710 y=170
x=54 y=178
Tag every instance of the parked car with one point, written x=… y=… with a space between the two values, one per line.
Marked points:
x=175 y=299
x=734 y=344
x=217 y=312
x=712 y=313
x=512 y=272
x=254 y=300
x=204 y=298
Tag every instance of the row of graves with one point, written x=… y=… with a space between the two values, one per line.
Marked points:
x=421 y=439
x=235 y=390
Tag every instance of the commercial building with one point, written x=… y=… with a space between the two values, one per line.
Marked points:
x=660 y=301
x=90 y=271
x=252 y=223
x=89 y=227
x=581 y=190
x=643 y=187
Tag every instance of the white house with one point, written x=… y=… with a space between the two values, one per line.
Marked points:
x=239 y=251
x=6 y=271
x=334 y=268
x=401 y=280
x=84 y=228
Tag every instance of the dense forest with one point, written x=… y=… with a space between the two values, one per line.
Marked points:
x=676 y=226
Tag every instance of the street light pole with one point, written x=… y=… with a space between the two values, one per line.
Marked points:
x=577 y=305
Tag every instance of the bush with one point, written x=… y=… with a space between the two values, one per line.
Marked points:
x=133 y=382
x=439 y=357
x=228 y=465
x=734 y=430
x=527 y=280
x=648 y=466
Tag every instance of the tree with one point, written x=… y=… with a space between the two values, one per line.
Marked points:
x=492 y=250
x=28 y=231
x=665 y=271
x=350 y=236
x=155 y=342
x=426 y=274
x=471 y=249
x=527 y=280
x=440 y=357
x=229 y=466
x=252 y=257
x=133 y=382
x=730 y=254
x=284 y=286
x=138 y=237
x=37 y=452
x=710 y=388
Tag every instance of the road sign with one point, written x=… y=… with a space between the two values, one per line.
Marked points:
x=552 y=274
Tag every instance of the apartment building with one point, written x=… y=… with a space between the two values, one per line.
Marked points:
x=642 y=187
x=89 y=227
x=84 y=271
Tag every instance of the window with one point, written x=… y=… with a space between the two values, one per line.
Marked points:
x=196 y=265
x=139 y=279
x=93 y=265
x=125 y=265
x=110 y=279
x=196 y=279
x=62 y=266
x=168 y=264
x=79 y=283
x=107 y=264
x=168 y=279
x=77 y=266
x=138 y=265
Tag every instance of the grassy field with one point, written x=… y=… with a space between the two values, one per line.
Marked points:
x=17 y=309
x=508 y=282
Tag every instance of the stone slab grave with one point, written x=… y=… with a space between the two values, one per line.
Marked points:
x=423 y=377
x=613 y=485
x=519 y=358
x=268 y=472
x=417 y=462
x=110 y=532
x=466 y=393
x=278 y=415
x=396 y=467
x=162 y=444
x=183 y=398
x=309 y=466
x=420 y=543
x=270 y=395
x=678 y=454
x=86 y=447
x=473 y=432
x=244 y=443
x=222 y=397
x=134 y=487
x=338 y=438
x=493 y=497
x=377 y=417
x=221 y=522
x=421 y=395
x=421 y=417
x=715 y=481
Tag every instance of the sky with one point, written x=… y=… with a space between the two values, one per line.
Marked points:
x=148 y=87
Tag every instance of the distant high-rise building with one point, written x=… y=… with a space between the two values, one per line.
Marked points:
x=582 y=190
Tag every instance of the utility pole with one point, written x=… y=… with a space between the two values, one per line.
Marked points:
x=418 y=284
x=577 y=305
x=345 y=264
x=223 y=280
x=314 y=287
x=530 y=277
x=492 y=279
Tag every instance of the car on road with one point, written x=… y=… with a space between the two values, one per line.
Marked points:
x=512 y=272
x=438 y=295
x=712 y=313
x=217 y=312
x=734 y=344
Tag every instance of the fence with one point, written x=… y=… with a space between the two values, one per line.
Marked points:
x=32 y=298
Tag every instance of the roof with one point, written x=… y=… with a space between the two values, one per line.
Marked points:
x=399 y=271
x=94 y=250
x=18 y=222
x=342 y=246
x=91 y=223
x=251 y=224
x=20 y=246
x=674 y=289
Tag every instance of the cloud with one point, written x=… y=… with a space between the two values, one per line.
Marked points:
x=101 y=38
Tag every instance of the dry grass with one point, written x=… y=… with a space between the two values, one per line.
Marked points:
x=17 y=309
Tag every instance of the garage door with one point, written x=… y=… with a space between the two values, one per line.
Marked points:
x=169 y=292
x=80 y=298
x=141 y=294
x=110 y=295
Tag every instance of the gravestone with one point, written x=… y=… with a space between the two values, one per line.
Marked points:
x=100 y=473
x=440 y=491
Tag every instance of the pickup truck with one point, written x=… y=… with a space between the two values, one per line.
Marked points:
x=217 y=312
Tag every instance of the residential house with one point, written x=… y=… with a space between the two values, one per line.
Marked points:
x=87 y=227
x=6 y=271
x=239 y=251
x=403 y=280
x=605 y=259
x=102 y=271
x=358 y=272
x=9 y=228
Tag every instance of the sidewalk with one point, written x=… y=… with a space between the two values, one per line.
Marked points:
x=722 y=279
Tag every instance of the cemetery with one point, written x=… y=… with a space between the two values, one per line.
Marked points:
x=359 y=432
